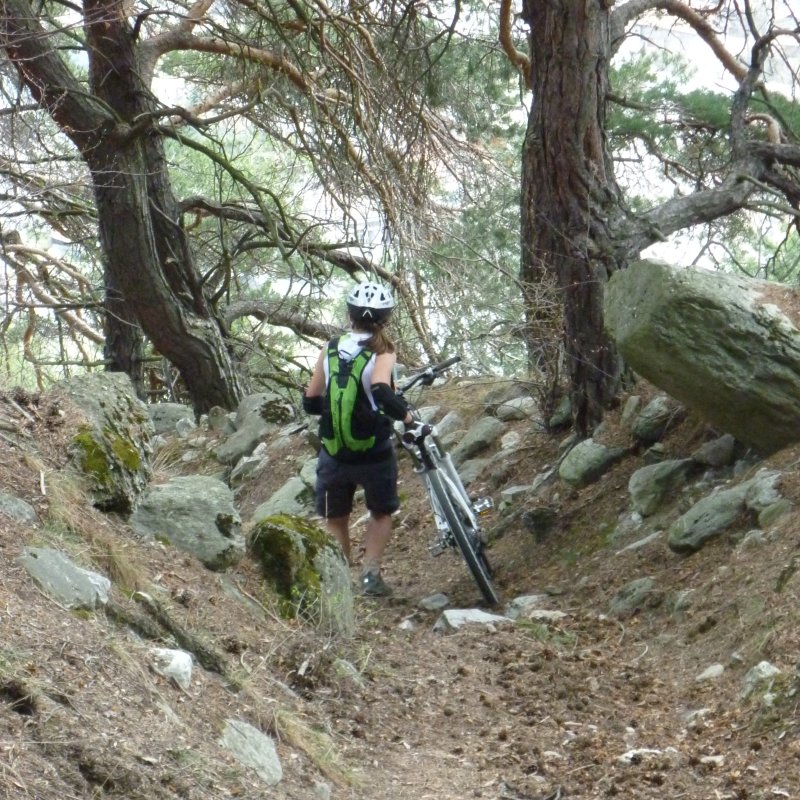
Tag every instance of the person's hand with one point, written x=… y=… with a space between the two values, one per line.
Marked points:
x=417 y=429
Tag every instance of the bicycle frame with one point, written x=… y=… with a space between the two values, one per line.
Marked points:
x=428 y=455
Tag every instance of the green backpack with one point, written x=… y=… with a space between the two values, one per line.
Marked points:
x=349 y=425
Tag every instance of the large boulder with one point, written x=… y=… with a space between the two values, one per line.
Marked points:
x=113 y=432
x=196 y=514
x=725 y=346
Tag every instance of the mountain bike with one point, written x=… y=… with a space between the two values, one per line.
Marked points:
x=456 y=515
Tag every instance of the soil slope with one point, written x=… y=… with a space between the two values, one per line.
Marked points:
x=589 y=706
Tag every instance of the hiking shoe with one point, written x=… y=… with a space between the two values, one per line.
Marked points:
x=372 y=584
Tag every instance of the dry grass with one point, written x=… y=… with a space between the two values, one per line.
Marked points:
x=70 y=511
x=315 y=743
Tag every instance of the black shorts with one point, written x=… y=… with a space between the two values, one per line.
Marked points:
x=337 y=483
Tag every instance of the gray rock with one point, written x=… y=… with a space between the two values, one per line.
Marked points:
x=772 y=513
x=59 y=578
x=649 y=486
x=641 y=543
x=717 y=453
x=294 y=497
x=510 y=440
x=706 y=519
x=454 y=618
x=245 y=468
x=173 y=664
x=711 y=673
x=516 y=493
x=656 y=418
x=307 y=569
x=221 y=421
x=429 y=413
x=435 y=602
x=759 y=675
x=196 y=514
x=630 y=411
x=253 y=749
x=655 y=454
x=322 y=791
x=562 y=416
x=471 y=470
x=165 y=416
x=481 y=436
x=717 y=512
x=257 y=415
x=451 y=422
x=516 y=409
x=308 y=473
x=587 y=461
x=524 y=605
x=718 y=343
x=503 y=392
x=635 y=596
x=16 y=508
x=752 y=540
x=183 y=427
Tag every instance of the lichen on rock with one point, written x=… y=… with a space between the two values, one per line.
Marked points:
x=112 y=443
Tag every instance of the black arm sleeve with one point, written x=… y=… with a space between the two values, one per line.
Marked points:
x=392 y=405
x=312 y=405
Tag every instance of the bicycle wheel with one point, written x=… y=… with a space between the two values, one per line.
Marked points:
x=465 y=534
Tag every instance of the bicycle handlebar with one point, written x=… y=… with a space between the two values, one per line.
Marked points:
x=428 y=375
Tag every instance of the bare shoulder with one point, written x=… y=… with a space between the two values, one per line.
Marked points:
x=384 y=364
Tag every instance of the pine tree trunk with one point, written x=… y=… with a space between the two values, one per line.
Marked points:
x=569 y=194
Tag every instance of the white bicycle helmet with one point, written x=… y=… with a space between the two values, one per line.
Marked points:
x=370 y=302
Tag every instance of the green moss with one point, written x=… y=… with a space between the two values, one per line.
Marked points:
x=286 y=548
x=93 y=457
x=100 y=455
x=127 y=453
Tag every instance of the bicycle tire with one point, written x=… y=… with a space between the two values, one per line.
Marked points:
x=466 y=537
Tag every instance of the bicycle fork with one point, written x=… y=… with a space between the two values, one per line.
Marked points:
x=472 y=511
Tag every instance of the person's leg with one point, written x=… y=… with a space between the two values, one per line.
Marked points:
x=339 y=528
x=334 y=499
x=379 y=531
x=380 y=490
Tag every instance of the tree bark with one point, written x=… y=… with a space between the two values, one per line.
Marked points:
x=148 y=258
x=123 y=350
x=570 y=199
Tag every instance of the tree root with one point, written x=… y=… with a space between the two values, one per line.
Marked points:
x=159 y=620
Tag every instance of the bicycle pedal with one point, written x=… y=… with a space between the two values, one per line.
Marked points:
x=483 y=506
x=437 y=549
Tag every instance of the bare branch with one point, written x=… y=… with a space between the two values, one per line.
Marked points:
x=519 y=59
x=623 y=15
x=275 y=314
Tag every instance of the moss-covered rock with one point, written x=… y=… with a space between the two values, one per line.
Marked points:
x=111 y=445
x=306 y=569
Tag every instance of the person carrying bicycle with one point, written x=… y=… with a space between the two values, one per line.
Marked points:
x=352 y=389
